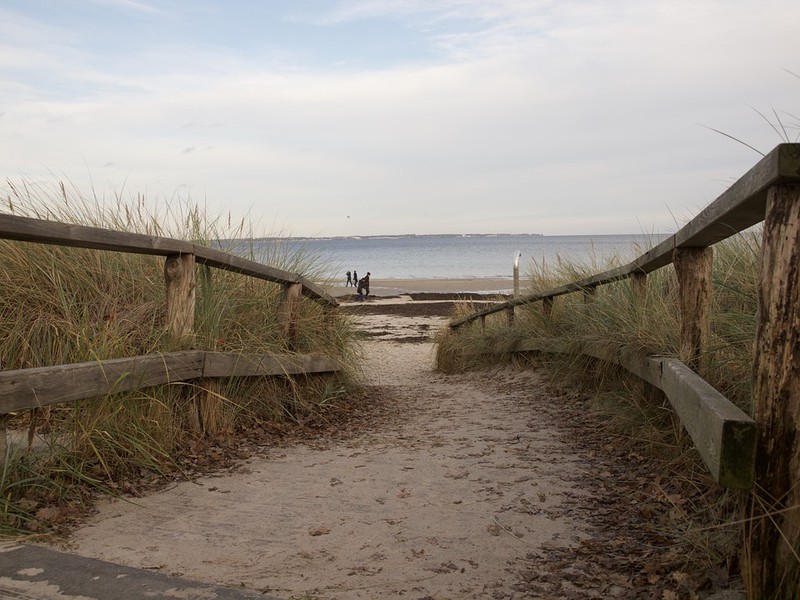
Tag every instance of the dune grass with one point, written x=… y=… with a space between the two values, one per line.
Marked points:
x=635 y=415
x=63 y=305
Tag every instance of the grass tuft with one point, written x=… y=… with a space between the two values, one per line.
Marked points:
x=634 y=415
x=62 y=305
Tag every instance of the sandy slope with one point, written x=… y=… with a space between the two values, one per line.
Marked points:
x=444 y=497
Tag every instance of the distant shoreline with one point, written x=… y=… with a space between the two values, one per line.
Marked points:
x=396 y=287
x=388 y=236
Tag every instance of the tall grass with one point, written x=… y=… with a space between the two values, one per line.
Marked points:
x=62 y=305
x=634 y=413
x=619 y=319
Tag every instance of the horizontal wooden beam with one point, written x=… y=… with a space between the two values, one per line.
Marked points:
x=32 y=388
x=741 y=206
x=229 y=262
x=41 y=231
x=723 y=434
x=226 y=364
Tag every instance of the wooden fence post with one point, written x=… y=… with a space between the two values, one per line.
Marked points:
x=287 y=312
x=483 y=323
x=180 y=296
x=770 y=560
x=639 y=287
x=510 y=316
x=547 y=307
x=180 y=293
x=693 y=267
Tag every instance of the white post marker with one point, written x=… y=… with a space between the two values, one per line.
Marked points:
x=516 y=274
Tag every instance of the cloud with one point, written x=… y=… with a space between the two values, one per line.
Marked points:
x=552 y=117
x=129 y=5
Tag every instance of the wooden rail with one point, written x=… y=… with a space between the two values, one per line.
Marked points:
x=722 y=433
x=739 y=207
x=708 y=417
x=79 y=236
x=38 y=387
x=24 y=389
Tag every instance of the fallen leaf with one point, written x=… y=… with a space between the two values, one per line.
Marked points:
x=322 y=530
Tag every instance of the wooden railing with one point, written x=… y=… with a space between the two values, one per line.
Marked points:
x=760 y=454
x=37 y=387
x=724 y=435
x=79 y=236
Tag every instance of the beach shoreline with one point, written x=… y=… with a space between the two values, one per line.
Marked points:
x=397 y=287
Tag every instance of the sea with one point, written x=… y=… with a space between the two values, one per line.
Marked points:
x=464 y=256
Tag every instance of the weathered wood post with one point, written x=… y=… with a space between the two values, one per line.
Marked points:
x=288 y=311
x=693 y=268
x=510 y=316
x=483 y=323
x=770 y=561
x=180 y=296
x=547 y=307
x=639 y=287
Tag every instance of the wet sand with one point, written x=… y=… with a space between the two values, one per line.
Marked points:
x=396 y=287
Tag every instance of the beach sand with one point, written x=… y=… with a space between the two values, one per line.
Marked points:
x=441 y=486
x=396 y=287
x=445 y=492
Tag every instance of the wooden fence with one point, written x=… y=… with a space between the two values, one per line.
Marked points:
x=724 y=436
x=761 y=454
x=37 y=387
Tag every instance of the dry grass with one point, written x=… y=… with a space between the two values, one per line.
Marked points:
x=65 y=305
x=634 y=414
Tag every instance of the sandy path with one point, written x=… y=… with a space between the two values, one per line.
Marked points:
x=443 y=500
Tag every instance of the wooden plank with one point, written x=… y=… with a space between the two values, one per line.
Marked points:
x=739 y=207
x=723 y=434
x=743 y=204
x=31 y=388
x=725 y=437
x=228 y=364
x=228 y=262
x=41 y=231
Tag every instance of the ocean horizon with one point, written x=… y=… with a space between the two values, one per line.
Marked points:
x=457 y=256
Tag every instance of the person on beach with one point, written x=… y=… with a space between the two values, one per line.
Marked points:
x=349 y=280
x=355 y=277
x=363 y=288
x=360 y=291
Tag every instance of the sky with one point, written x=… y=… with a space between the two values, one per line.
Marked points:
x=379 y=117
